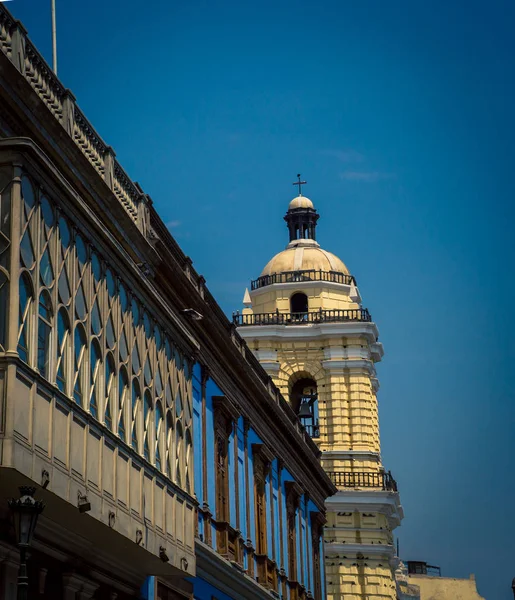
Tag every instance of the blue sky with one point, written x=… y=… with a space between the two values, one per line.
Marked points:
x=401 y=117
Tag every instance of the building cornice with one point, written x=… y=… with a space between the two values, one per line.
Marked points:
x=384 y=502
x=331 y=549
x=309 y=331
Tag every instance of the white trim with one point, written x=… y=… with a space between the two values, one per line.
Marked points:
x=386 y=550
x=351 y=454
x=348 y=329
x=381 y=501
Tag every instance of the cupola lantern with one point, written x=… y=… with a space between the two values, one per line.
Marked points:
x=302 y=216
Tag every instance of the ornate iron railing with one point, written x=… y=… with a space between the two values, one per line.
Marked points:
x=363 y=479
x=302 y=275
x=321 y=316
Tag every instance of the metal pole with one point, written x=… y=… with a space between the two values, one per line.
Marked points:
x=54 y=40
x=23 y=579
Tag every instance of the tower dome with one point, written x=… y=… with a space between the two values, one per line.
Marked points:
x=300 y=202
x=300 y=255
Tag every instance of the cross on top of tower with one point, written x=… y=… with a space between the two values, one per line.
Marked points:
x=299 y=183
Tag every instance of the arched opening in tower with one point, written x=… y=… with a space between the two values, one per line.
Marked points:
x=304 y=401
x=299 y=303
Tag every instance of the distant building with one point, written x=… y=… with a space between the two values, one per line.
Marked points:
x=170 y=465
x=304 y=321
x=419 y=581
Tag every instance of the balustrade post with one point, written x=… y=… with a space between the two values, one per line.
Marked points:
x=69 y=112
x=18 y=47
x=109 y=158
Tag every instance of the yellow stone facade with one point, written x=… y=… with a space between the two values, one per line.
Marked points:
x=331 y=345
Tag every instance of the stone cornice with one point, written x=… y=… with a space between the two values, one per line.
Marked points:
x=366 y=550
x=351 y=329
x=384 y=502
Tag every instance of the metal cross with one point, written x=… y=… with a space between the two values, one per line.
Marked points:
x=299 y=183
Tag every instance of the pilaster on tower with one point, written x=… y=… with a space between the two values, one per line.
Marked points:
x=304 y=321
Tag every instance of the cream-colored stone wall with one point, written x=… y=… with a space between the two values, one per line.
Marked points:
x=343 y=369
x=445 y=588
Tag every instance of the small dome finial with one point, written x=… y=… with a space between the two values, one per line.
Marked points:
x=299 y=183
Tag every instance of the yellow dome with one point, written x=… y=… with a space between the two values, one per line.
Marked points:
x=300 y=202
x=303 y=255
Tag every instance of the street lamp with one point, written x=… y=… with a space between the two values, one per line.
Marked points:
x=513 y=587
x=25 y=513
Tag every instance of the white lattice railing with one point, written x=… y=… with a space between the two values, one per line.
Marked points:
x=15 y=44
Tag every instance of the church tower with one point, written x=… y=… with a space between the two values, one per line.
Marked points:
x=304 y=321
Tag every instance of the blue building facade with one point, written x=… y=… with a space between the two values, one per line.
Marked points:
x=252 y=511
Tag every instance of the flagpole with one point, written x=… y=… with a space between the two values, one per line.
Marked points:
x=54 y=41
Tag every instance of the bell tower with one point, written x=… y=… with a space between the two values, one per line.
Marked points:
x=304 y=321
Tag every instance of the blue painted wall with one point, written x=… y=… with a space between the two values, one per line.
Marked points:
x=274 y=497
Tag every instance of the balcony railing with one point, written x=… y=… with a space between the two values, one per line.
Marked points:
x=321 y=316
x=362 y=479
x=303 y=275
x=313 y=430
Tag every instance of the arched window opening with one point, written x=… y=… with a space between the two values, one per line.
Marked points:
x=159 y=432
x=110 y=378
x=169 y=444
x=135 y=414
x=178 y=454
x=299 y=304
x=24 y=317
x=188 y=461
x=63 y=336
x=80 y=359
x=123 y=392
x=304 y=401
x=44 y=331
x=94 y=367
x=147 y=418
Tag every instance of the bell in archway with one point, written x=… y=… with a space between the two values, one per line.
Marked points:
x=305 y=411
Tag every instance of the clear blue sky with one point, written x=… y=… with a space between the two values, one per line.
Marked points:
x=401 y=116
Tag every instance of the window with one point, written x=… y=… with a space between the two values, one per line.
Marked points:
x=24 y=317
x=136 y=398
x=147 y=418
x=169 y=444
x=225 y=415
x=110 y=385
x=159 y=427
x=80 y=352
x=44 y=331
x=123 y=392
x=63 y=336
x=267 y=573
x=178 y=454
x=94 y=367
x=317 y=524
x=293 y=496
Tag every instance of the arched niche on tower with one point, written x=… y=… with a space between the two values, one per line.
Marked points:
x=303 y=394
x=299 y=303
